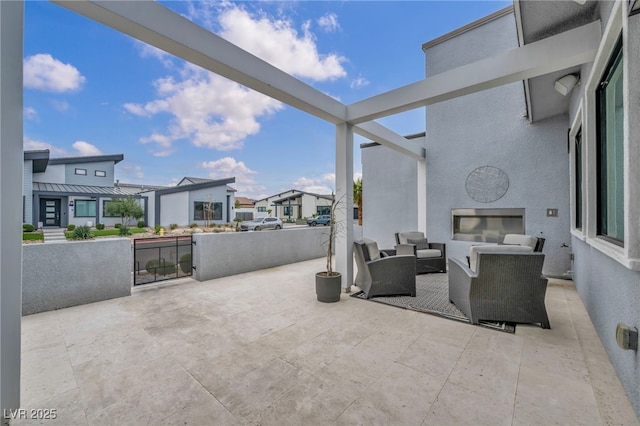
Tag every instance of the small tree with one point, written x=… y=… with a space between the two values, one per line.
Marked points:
x=335 y=228
x=209 y=207
x=237 y=204
x=357 y=198
x=127 y=208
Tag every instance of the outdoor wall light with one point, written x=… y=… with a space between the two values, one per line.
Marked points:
x=627 y=336
x=565 y=84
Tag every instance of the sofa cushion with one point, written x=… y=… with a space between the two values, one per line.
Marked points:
x=521 y=240
x=404 y=237
x=428 y=253
x=420 y=243
x=473 y=253
x=372 y=249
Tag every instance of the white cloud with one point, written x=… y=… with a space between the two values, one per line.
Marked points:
x=130 y=171
x=229 y=167
x=359 y=82
x=60 y=106
x=329 y=22
x=206 y=109
x=44 y=72
x=319 y=185
x=33 y=145
x=277 y=42
x=85 y=148
x=30 y=113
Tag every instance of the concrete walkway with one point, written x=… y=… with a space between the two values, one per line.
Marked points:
x=258 y=348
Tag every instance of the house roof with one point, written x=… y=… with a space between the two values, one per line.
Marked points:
x=40 y=159
x=187 y=180
x=296 y=193
x=88 y=190
x=244 y=201
x=116 y=158
x=195 y=186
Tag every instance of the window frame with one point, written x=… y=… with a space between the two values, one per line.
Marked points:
x=103 y=173
x=75 y=207
x=197 y=210
x=104 y=209
x=80 y=171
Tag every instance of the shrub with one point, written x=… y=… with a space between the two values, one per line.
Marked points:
x=173 y=226
x=124 y=230
x=154 y=266
x=156 y=229
x=82 y=233
x=185 y=263
x=117 y=225
x=193 y=225
x=100 y=226
x=27 y=227
x=141 y=224
x=71 y=227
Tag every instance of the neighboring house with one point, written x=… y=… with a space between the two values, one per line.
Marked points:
x=75 y=190
x=294 y=204
x=193 y=200
x=245 y=209
x=72 y=190
x=513 y=155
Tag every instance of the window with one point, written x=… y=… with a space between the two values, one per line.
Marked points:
x=101 y=173
x=262 y=209
x=104 y=209
x=204 y=210
x=610 y=151
x=578 y=181
x=323 y=210
x=82 y=172
x=85 y=208
x=287 y=211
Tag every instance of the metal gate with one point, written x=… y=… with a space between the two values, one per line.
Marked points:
x=160 y=259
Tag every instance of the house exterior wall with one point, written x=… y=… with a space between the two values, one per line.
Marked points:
x=90 y=178
x=55 y=173
x=389 y=203
x=488 y=128
x=216 y=194
x=151 y=207
x=27 y=185
x=608 y=278
x=174 y=208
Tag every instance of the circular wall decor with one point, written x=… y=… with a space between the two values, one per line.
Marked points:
x=487 y=184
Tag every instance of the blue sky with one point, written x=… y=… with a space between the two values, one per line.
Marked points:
x=90 y=90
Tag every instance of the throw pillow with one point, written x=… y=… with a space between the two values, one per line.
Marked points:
x=421 y=244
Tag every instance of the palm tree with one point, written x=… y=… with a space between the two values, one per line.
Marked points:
x=357 y=197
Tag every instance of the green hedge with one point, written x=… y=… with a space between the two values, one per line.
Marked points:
x=34 y=236
x=153 y=267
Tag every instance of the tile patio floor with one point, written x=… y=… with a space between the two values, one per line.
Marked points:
x=258 y=348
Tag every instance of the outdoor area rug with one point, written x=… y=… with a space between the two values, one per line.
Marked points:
x=432 y=297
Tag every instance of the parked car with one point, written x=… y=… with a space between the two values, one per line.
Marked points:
x=323 y=219
x=261 y=223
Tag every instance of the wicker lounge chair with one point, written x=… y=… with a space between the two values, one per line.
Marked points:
x=506 y=286
x=380 y=275
x=430 y=257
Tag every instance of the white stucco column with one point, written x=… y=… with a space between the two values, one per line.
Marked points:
x=11 y=164
x=421 y=196
x=344 y=195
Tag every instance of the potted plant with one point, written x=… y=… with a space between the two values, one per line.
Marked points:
x=329 y=282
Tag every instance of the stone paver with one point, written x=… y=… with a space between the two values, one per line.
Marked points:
x=258 y=348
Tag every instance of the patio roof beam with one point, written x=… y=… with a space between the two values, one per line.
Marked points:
x=573 y=47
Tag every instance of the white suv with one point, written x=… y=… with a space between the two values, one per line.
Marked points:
x=261 y=223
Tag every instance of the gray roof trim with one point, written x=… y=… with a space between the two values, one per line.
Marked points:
x=195 y=186
x=116 y=158
x=413 y=136
x=475 y=24
x=84 y=190
x=40 y=159
x=296 y=194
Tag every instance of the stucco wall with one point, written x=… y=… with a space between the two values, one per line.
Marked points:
x=611 y=294
x=174 y=208
x=90 y=178
x=389 y=192
x=216 y=195
x=58 y=275
x=223 y=254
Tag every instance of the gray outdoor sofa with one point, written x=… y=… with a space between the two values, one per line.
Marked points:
x=382 y=275
x=506 y=286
